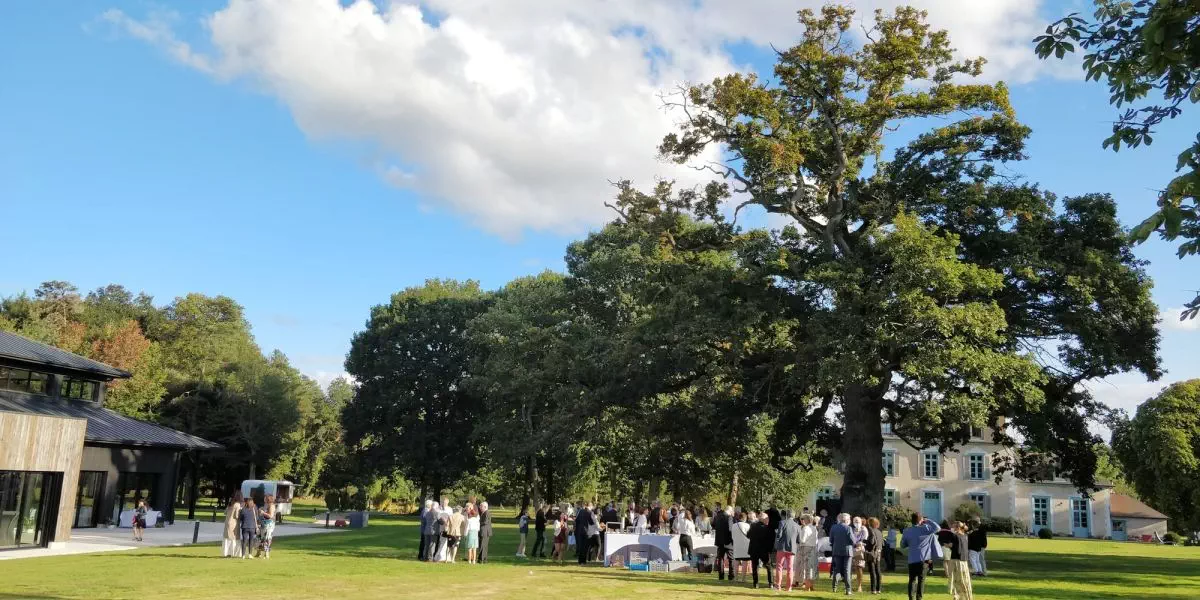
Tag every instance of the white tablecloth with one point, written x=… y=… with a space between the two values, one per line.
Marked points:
x=669 y=544
x=126 y=519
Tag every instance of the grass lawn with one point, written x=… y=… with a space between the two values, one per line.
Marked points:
x=379 y=563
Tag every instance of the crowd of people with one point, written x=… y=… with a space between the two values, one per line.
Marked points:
x=249 y=528
x=787 y=546
x=445 y=528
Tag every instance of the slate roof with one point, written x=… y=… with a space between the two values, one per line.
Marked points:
x=105 y=426
x=24 y=349
x=1131 y=508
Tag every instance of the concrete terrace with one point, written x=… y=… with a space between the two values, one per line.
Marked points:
x=87 y=541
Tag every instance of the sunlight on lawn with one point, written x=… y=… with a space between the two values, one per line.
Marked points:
x=379 y=563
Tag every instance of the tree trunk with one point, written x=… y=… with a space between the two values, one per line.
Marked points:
x=862 y=451
x=550 y=482
x=654 y=485
x=253 y=470
x=639 y=489
x=733 y=489
x=531 y=483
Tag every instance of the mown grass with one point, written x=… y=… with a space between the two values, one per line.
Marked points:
x=380 y=563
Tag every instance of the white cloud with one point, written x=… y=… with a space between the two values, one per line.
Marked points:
x=1171 y=322
x=324 y=378
x=516 y=114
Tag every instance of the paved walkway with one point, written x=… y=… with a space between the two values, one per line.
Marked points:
x=85 y=541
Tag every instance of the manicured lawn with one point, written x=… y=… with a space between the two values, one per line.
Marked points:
x=379 y=563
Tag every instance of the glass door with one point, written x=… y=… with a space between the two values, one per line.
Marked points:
x=1041 y=513
x=23 y=508
x=1080 y=522
x=10 y=508
x=91 y=485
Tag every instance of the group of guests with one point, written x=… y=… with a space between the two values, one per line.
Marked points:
x=249 y=528
x=787 y=546
x=445 y=528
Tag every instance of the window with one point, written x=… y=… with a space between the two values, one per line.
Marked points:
x=24 y=381
x=78 y=389
x=825 y=492
x=976 y=433
x=931 y=465
x=980 y=500
x=975 y=467
x=889 y=497
x=889 y=463
x=887 y=428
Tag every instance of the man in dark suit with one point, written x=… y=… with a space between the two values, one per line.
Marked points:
x=539 y=532
x=485 y=531
x=841 y=538
x=583 y=520
x=723 y=539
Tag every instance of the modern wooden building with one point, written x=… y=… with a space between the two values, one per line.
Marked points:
x=66 y=461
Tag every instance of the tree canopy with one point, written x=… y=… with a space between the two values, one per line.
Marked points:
x=1160 y=448
x=925 y=287
x=1148 y=52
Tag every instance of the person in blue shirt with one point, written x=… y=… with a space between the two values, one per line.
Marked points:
x=841 y=539
x=921 y=541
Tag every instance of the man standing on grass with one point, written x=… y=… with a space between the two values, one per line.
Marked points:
x=584 y=520
x=485 y=531
x=920 y=539
x=421 y=528
x=539 y=532
x=841 y=540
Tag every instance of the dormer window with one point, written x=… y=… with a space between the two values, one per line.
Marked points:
x=887 y=428
x=78 y=389
x=976 y=433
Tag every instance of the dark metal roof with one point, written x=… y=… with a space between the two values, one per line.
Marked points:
x=24 y=349
x=105 y=426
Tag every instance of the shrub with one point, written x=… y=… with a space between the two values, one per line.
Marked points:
x=1004 y=525
x=1172 y=538
x=1045 y=533
x=896 y=516
x=966 y=511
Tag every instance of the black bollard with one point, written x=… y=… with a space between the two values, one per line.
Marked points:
x=196 y=532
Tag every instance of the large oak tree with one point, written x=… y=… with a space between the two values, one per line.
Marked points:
x=924 y=287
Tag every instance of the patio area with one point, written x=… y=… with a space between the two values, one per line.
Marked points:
x=86 y=541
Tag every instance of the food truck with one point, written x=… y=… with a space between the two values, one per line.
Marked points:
x=259 y=488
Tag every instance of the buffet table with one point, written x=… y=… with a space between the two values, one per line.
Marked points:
x=657 y=546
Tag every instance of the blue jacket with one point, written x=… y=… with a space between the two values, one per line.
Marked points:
x=841 y=538
x=787 y=537
x=921 y=541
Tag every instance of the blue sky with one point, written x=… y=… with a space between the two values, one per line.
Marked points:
x=126 y=160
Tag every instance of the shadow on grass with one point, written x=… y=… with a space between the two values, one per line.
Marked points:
x=1120 y=576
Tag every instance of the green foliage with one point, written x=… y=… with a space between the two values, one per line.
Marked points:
x=414 y=408
x=1148 y=52
x=909 y=287
x=1045 y=533
x=966 y=512
x=195 y=367
x=895 y=515
x=1160 y=448
x=1004 y=525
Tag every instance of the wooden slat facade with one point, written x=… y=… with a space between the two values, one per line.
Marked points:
x=43 y=443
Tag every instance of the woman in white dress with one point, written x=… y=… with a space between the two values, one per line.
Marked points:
x=741 y=546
